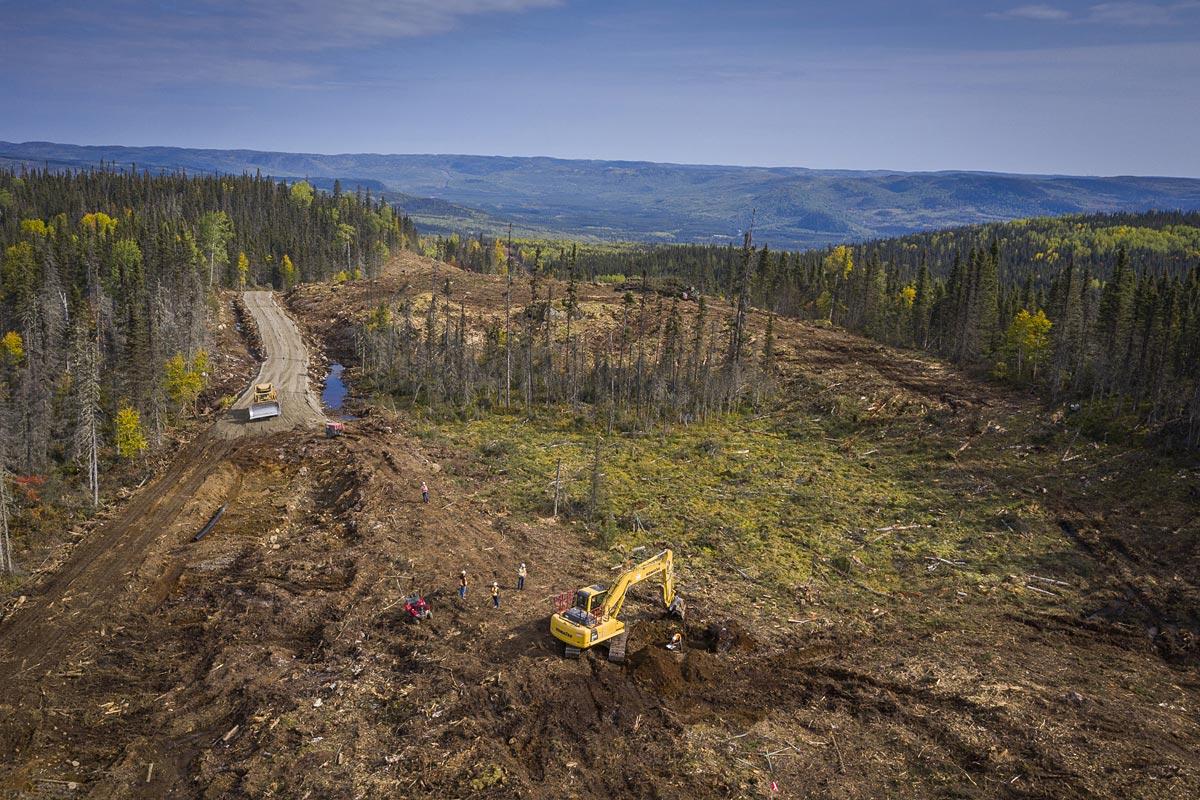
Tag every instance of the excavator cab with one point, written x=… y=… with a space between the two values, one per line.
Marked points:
x=588 y=610
x=590 y=597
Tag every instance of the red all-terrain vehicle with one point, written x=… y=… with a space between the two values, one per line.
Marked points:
x=416 y=608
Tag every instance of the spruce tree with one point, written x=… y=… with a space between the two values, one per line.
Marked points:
x=922 y=307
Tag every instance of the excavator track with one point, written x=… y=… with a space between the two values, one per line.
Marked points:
x=571 y=652
x=616 y=647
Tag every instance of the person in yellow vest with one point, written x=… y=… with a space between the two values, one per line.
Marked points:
x=495 y=594
x=521 y=577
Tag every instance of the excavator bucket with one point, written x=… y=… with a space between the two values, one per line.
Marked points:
x=264 y=410
x=616 y=647
x=678 y=607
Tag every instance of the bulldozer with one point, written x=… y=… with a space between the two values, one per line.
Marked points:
x=592 y=618
x=264 y=403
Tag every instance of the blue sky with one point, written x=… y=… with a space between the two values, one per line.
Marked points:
x=1063 y=87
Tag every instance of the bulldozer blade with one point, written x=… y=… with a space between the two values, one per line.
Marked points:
x=264 y=410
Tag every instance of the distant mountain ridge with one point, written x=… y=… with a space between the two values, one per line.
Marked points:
x=648 y=201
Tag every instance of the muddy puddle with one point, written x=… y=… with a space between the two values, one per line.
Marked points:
x=334 y=390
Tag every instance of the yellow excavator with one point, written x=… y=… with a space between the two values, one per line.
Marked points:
x=592 y=618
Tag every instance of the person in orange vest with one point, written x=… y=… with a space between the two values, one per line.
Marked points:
x=495 y=594
x=424 y=492
x=462 y=584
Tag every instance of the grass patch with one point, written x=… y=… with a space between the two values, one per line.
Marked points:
x=783 y=499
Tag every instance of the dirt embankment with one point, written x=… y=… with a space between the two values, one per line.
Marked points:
x=95 y=575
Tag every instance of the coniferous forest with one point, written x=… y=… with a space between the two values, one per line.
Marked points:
x=662 y=360
x=108 y=281
x=1100 y=310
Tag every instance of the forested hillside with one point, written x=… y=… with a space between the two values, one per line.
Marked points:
x=1104 y=309
x=108 y=280
x=654 y=202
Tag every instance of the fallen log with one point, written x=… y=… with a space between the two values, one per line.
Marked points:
x=1049 y=580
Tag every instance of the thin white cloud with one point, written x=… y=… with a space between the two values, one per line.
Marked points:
x=1132 y=13
x=1122 y=13
x=1039 y=13
x=265 y=44
x=320 y=23
x=263 y=24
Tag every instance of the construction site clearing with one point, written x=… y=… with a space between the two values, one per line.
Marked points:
x=1047 y=651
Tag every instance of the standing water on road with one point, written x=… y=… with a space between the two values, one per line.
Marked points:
x=335 y=390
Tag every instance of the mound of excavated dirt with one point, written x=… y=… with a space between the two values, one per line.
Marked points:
x=701 y=667
x=658 y=669
x=668 y=673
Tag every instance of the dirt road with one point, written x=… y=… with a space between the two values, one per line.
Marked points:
x=66 y=605
x=285 y=366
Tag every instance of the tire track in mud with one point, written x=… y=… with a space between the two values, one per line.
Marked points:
x=1170 y=627
x=97 y=573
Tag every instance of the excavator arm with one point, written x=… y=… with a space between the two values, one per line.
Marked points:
x=661 y=564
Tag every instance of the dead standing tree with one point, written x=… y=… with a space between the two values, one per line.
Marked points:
x=570 y=305
x=599 y=510
x=737 y=328
x=508 y=283
x=87 y=432
x=6 y=562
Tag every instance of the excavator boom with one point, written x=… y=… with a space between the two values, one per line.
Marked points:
x=663 y=564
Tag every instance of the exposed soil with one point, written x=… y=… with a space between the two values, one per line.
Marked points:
x=272 y=658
